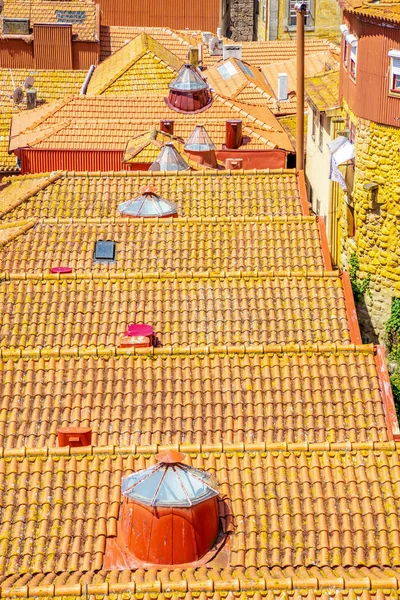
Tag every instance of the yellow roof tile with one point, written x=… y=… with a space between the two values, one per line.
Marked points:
x=323 y=90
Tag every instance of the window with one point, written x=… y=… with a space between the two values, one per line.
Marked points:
x=394 y=72
x=344 y=30
x=345 y=53
x=352 y=42
x=264 y=11
x=104 y=251
x=292 y=13
x=321 y=131
x=227 y=70
x=245 y=68
x=314 y=124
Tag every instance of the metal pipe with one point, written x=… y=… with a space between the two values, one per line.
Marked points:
x=300 y=14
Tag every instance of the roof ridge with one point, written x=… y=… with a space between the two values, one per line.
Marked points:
x=21 y=227
x=113 y=351
x=258 y=582
x=164 y=221
x=161 y=275
x=44 y=182
x=200 y=448
x=156 y=174
x=57 y=106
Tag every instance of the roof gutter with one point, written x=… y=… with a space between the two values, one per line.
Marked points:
x=87 y=79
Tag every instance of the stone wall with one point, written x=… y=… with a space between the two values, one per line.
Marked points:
x=377 y=220
x=242 y=20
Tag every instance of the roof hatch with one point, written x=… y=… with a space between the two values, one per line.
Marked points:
x=148 y=205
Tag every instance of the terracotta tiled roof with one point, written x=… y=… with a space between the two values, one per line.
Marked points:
x=282 y=245
x=178 y=42
x=108 y=122
x=197 y=194
x=290 y=509
x=388 y=10
x=117 y=72
x=81 y=14
x=50 y=85
x=169 y=399
x=323 y=90
x=191 y=311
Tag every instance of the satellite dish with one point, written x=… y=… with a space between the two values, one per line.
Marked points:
x=1 y=5
x=18 y=95
x=29 y=81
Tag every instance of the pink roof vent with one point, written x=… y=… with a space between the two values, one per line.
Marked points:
x=137 y=335
x=189 y=92
x=148 y=205
x=61 y=270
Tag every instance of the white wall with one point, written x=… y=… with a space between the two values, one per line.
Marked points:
x=318 y=165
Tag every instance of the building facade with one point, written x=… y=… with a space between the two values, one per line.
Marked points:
x=276 y=19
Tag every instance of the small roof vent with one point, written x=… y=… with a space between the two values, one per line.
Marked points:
x=148 y=205
x=189 y=92
x=169 y=159
x=169 y=514
x=137 y=335
x=199 y=140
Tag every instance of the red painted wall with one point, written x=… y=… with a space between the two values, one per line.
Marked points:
x=256 y=159
x=368 y=96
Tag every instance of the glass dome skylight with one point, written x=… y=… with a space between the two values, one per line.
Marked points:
x=169 y=484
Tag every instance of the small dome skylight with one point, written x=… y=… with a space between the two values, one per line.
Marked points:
x=199 y=140
x=148 y=204
x=169 y=159
x=169 y=483
x=188 y=79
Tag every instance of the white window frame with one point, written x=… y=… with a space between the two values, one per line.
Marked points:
x=394 y=72
x=290 y=15
x=344 y=31
x=353 y=43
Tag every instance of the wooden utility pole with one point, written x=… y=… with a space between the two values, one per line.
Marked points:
x=300 y=14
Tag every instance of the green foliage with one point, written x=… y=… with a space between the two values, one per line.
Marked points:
x=392 y=326
x=359 y=287
x=395 y=381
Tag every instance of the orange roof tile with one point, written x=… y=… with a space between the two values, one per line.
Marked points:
x=164 y=246
x=191 y=311
x=117 y=65
x=289 y=509
x=80 y=13
x=197 y=194
x=108 y=122
x=229 y=398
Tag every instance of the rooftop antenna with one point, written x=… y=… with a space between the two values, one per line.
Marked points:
x=18 y=95
x=29 y=81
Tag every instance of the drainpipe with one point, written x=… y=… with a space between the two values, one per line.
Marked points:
x=87 y=79
x=300 y=14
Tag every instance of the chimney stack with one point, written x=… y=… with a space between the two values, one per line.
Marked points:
x=283 y=86
x=233 y=133
x=300 y=16
x=167 y=126
x=194 y=56
x=31 y=98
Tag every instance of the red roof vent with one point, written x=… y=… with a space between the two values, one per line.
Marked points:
x=189 y=92
x=148 y=205
x=74 y=436
x=169 y=513
x=137 y=336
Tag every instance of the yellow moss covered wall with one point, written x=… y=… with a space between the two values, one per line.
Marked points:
x=377 y=240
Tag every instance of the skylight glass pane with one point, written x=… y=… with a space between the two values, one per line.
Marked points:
x=246 y=69
x=227 y=70
x=104 y=250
